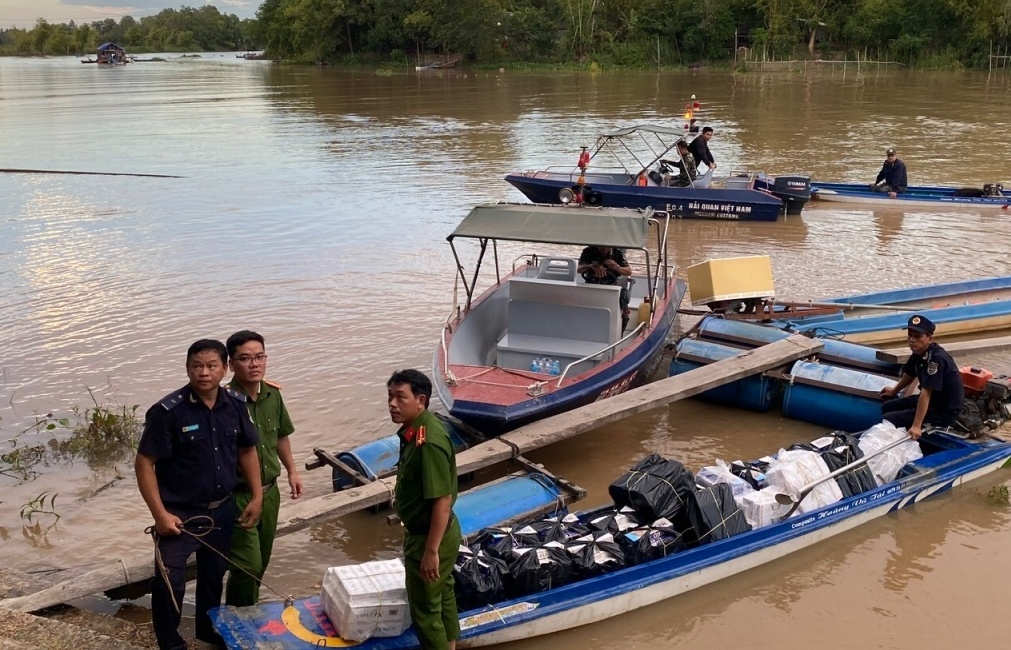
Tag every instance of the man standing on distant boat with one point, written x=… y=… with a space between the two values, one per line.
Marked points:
x=939 y=401
x=251 y=548
x=425 y=493
x=892 y=177
x=607 y=265
x=699 y=148
x=194 y=442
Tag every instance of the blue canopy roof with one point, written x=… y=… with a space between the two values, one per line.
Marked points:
x=108 y=46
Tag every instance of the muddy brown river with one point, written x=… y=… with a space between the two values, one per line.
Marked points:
x=313 y=206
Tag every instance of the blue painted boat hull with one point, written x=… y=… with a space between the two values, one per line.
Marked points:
x=916 y=195
x=950 y=462
x=755 y=393
x=679 y=202
x=979 y=317
x=834 y=397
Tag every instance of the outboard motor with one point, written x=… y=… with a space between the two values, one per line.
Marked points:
x=993 y=189
x=793 y=191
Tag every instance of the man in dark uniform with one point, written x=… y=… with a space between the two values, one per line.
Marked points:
x=607 y=265
x=251 y=548
x=892 y=177
x=187 y=464
x=941 y=390
x=699 y=148
x=425 y=494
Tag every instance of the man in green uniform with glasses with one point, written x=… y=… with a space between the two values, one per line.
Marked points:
x=425 y=494
x=251 y=548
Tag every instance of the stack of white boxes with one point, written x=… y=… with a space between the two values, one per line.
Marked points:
x=366 y=600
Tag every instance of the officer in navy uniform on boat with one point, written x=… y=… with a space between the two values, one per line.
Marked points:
x=939 y=401
x=194 y=442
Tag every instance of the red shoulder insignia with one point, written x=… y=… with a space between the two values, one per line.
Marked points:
x=421 y=436
x=272 y=384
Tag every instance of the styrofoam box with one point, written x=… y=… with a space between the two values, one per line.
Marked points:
x=366 y=600
x=370 y=583
x=366 y=621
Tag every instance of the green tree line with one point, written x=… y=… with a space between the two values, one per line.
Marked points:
x=172 y=30
x=926 y=33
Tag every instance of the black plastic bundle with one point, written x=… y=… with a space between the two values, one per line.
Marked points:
x=463 y=554
x=714 y=514
x=843 y=451
x=540 y=568
x=752 y=471
x=654 y=487
x=610 y=520
x=595 y=555
x=502 y=542
x=481 y=580
x=555 y=529
x=652 y=542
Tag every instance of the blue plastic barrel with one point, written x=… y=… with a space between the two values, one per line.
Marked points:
x=494 y=503
x=831 y=396
x=753 y=335
x=755 y=393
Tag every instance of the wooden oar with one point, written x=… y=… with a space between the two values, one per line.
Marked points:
x=57 y=171
x=840 y=305
x=786 y=499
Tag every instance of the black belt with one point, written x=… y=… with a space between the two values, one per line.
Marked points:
x=242 y=487
x=214 y=505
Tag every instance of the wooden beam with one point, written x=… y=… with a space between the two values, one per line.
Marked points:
x=994 y=344
x=305 y=512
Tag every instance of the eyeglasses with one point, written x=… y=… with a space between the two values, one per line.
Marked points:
x=246 y=359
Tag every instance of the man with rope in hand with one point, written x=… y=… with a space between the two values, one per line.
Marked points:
x=193 y=444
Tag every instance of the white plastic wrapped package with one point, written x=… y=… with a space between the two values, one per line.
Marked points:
x=720 y=473
x=366 y=600
x=886 y=466
x=760 y=507
x=797 y=468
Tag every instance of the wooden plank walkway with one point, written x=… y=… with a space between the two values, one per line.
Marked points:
x=301 y=514
x=994 y=344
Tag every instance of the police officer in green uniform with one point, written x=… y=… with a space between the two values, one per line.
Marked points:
x=193 y=442
x=424 y=498
x=251 y=548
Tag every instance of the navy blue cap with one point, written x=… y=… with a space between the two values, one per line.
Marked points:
x=920 y=324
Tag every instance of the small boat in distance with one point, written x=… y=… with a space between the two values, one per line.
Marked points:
x=991 y=195
x=540 y=340
x=110 y=54
x=448 y=62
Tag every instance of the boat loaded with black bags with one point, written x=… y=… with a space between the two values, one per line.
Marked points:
x=668 y=531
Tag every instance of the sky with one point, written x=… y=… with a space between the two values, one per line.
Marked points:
x=24 y=13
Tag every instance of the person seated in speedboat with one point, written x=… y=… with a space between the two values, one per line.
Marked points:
x=686 y=165
x=942 y=391
x=892 y=177
x=607 y=265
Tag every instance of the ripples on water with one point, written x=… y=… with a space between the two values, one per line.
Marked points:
x=314 y=207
